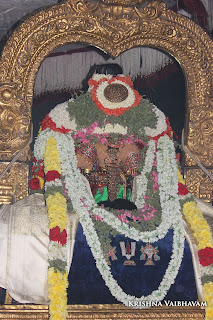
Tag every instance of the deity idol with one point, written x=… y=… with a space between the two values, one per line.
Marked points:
x=106 y=159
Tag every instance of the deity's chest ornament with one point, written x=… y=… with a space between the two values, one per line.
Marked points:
x=128 y=251
x=149 y=252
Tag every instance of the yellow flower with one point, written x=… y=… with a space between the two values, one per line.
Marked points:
x=208 y=297
x=180 y=177
x=57 y=214
x=58 y=284
x=198 y=225
x=51 y=156
x=57 y=211
x=41 y=180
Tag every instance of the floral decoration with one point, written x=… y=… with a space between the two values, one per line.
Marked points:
x=35 y=184
x=159 y=180
x=208 y=297
x=206 y=256
x=85 y=206
x=182 y=189
x=57 y=214
x=195 y=219
x=203 y=238
x=97 y=87
x=37 y=180
x=57 y=235
x=52 y=175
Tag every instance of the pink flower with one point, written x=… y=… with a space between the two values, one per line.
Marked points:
x=94 y=125
x=84 y=140
x=103 y=140
x=81 y=134
x=123 y=218
x=155 y=186
x=154 y=163
x=97 y=218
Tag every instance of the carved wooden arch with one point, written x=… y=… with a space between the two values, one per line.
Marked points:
x=113 y=26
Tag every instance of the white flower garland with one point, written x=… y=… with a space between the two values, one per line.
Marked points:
x=84 y=204
x=167 y=186
x=92 y=237
x=61 y=117
x=55 y=183
x=141 y=181
x=57 y=251
x=161 y=125
x=110 y=128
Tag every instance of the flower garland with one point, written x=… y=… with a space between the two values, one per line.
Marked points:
x=203 y=237
x=57 y=214
x=85 y=206
x=56 y=146
x=37 y=181
x=141 y=182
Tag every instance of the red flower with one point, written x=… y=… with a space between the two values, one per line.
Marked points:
x=39 y=172
x=206 y=256
x=57 y=235
x=182 y=189
x=34 y=184
x=48 y=123
x=52 y=175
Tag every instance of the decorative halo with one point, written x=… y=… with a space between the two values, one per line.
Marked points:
x=113 y=95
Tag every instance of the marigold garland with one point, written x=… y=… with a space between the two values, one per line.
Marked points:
x=180 y=177
x=57 y=214
x=57 y=211
x=51 y=156
x=195 y=219
x=208 y=297
x=203 y=236
x=58 y=284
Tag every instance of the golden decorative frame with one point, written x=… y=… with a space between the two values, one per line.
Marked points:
x=113 y=26
x=104 y=312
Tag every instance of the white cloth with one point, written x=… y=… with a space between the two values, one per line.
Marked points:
x=24 y=239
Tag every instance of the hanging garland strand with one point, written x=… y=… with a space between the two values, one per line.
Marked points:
x=57 y=214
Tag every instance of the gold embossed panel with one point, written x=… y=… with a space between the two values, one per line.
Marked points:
x=13 y=186
x=199 y=184
x=102 y=312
